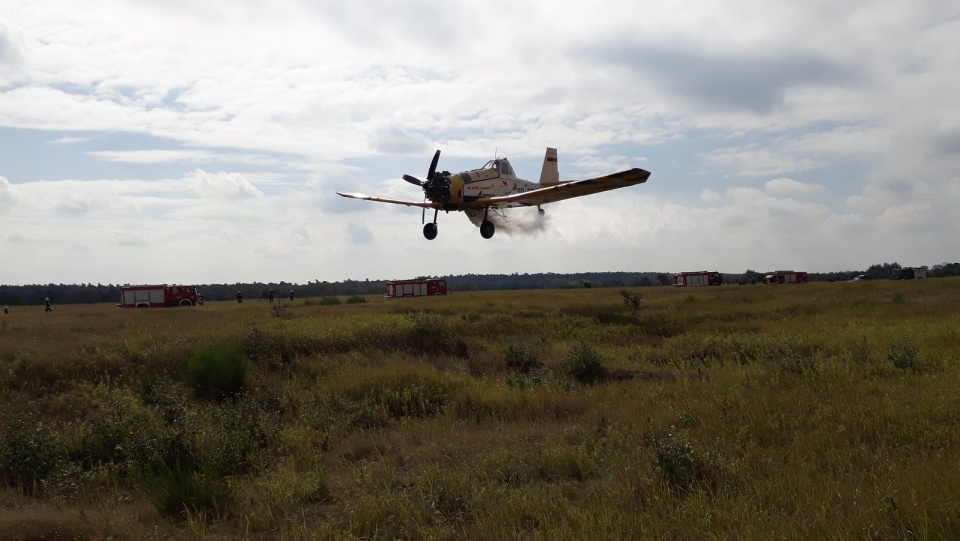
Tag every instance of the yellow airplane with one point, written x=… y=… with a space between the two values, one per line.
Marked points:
x=496 y=186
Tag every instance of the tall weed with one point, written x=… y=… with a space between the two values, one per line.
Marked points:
x=218 y=370
x=584 y=364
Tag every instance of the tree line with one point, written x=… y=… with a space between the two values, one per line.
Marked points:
x=36 y=294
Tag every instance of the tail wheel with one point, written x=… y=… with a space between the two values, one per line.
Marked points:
x=430 y=231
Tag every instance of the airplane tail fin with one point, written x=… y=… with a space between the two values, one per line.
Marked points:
x=550 y=174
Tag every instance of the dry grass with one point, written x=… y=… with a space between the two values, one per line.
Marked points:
x=748 y=412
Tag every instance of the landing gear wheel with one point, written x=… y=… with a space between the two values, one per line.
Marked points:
x=541 y=212
x=430 y=231
x=487 y=229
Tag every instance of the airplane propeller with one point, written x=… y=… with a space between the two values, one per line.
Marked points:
x=436 y=187
x=433 y=169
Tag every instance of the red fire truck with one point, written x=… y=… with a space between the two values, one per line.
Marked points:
x=158 y=296
x=417 y=288
x=699 y=278
x=785 y=277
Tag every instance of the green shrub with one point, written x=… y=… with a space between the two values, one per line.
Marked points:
x=632 y=300
x=356 y=299
x=682 y=467
x=179 y=492
x=122 y=432
x=519 y=357
x=218 y=370
x=225 y=440
x=29 y=453
x=904 y=357
x=584 y=364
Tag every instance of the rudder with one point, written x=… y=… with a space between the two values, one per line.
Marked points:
x=550 y=173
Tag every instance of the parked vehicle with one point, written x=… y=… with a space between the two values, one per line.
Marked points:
x=158 y=296
x=417 y=288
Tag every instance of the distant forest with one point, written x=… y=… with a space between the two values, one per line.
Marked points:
x=99 y=293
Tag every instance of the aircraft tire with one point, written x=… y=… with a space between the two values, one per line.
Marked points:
x=487 y=229
x=430 y=231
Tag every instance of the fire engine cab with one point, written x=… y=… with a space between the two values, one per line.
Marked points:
x=700 y=278
x=417 y=288
x=157 y=296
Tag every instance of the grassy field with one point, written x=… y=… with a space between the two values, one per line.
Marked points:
x=815 y=411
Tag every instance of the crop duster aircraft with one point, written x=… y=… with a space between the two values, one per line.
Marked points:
x=496 y=186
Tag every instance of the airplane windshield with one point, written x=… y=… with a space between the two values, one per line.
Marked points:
x=501 y=165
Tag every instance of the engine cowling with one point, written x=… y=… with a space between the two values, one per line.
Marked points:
x=437 y=188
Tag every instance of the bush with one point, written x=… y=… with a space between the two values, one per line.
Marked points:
x=218 y=371
x=904 y=357
x=632 y=300
x=584 y=364
x=682 y=467
x=178 y=492
x=226 y=439
x=28 y=454
x=122 y=432
x=356 y=299
x=520 y=358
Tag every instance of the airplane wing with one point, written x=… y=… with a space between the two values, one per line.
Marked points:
x=423 y=204
x=567 y=190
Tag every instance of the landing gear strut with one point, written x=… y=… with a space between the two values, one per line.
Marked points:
x=430 y=229
x=487 y=228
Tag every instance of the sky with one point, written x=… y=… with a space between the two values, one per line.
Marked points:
x=173 y=141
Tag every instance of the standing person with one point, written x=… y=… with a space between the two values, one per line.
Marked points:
x=239 y=297
x=291 y=295
x=47 y=302
x=271 y=295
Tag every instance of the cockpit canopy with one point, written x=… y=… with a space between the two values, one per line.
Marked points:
x=501 y=165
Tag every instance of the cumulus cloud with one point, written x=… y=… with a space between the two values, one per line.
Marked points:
x=790 y=187
x=396 y=140
x=756 y=82
x=910 y=214
x=755 y=160
x=707 y=195
x=230 y=186
x=10 y=53
x=152 y=156
x=7 y=197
